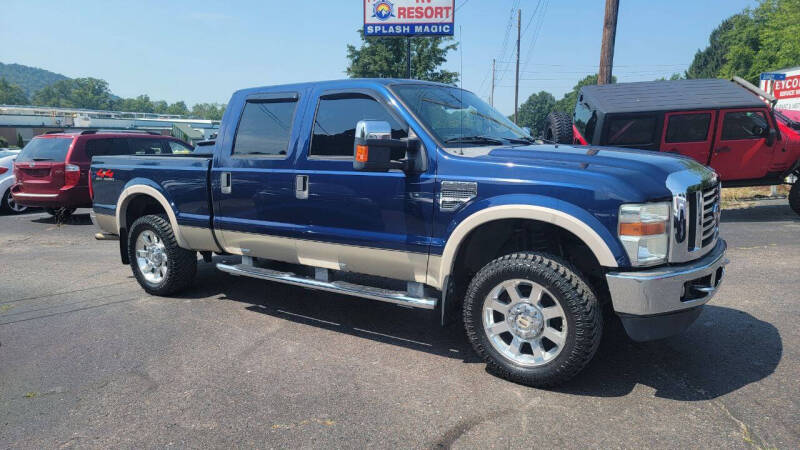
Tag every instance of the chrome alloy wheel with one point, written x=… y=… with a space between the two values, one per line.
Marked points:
x=524 y=322
x=151 y=257
x=13 y=205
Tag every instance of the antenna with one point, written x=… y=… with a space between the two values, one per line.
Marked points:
x=461 y=81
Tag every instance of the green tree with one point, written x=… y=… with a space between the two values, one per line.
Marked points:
x=20 y=142
x=90 y=93
x=3 y=142
x=751 y=42
x=178 y=108
x=11 y=94
x=385 y=57
x=210 y=111
x=567 y=103
x=534 y=110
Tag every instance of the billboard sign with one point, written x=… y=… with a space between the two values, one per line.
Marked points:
x=409 y=17
x=787 y=88
x=772 y=76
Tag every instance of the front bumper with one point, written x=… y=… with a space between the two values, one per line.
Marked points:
x=664 y=301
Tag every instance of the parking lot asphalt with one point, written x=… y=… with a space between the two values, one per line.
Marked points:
x=87 y=359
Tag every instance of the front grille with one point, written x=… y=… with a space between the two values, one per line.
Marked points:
x=703 y=218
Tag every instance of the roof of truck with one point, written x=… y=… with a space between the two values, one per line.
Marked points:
x=341 y=84
x=673 y=95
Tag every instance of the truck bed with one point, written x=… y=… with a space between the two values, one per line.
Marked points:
x=183 y=179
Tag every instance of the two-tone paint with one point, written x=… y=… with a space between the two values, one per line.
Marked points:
x=381 y=223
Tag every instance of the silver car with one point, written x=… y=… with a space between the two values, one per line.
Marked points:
x=7 y=180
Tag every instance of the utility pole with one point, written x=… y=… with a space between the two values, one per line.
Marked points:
x=492 y=98
x=516 y=85
x=607 y=48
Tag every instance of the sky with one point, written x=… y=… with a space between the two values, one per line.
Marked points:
x=202 y=51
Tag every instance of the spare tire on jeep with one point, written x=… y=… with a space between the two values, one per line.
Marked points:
x=558 y=128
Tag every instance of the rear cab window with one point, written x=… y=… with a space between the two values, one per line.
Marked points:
x=335 y=124
x=585 y=120
x=265 y=128
x=631 y=131
x=739 y=125
x=688 y=127
x=46 y=149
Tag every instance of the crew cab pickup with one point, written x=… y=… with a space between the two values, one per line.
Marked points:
x=421 y=194
x=729 y=125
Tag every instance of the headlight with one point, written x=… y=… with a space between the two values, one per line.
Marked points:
x=644 y=232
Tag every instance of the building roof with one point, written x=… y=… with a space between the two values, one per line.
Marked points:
x=669 y=96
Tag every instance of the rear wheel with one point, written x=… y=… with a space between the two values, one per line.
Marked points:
x=10 y=205
x=160 y=266
x=558 y=128
x=794 y=196
x=532 y=318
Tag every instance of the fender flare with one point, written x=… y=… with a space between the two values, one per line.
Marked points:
x=131 y=192
x=442 y=271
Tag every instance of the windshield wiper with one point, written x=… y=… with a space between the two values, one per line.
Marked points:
x=474 y=140
x=522 y=140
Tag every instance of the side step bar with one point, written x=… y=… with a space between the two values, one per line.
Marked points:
x=339 y=287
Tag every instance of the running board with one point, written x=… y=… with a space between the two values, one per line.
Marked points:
x=339 y=287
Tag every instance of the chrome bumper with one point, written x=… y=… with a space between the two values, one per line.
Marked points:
x=668 y=289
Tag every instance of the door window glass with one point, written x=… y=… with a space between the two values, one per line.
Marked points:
x=147 y=147
x=688 y=127
x=106 y=147
x=264 y=128
x=631 y=130
x=744 y=125
x=177 y=147
x=335 y=123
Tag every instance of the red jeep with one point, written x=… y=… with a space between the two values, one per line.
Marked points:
x=729 y=125
x=52 y=170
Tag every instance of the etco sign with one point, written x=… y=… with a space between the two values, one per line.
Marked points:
x=409 y=17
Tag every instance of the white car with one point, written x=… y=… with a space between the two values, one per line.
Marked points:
x=7 y=180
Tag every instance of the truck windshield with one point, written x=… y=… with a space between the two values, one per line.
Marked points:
x=45 y=149
x=459 y=118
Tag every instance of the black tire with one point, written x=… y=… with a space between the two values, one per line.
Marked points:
x=558 y=128
x=60 y=213
x=181 y=264
x=7 y=207
x=794 y=196
x=567 y=287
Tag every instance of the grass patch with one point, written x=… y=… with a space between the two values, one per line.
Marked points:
x=733 y=198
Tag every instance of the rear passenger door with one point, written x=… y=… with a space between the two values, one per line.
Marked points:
x=689 y=134
x=740 y=150
x=253 y=179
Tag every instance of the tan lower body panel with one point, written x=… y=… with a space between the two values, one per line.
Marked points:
x=371 y=261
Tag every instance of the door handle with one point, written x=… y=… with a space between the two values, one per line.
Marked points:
x=301 y=187
x=723 y=150
x=225 y=182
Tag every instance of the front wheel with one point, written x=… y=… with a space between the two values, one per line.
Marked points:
x=10 y=205
x=794 y=196
x=532 y=318
x=160 y=266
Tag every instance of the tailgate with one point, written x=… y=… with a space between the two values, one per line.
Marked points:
x=40 y=177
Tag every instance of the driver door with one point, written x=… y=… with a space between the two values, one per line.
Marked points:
x=740 y=149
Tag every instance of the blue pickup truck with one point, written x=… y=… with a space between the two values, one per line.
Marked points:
x=423 y=195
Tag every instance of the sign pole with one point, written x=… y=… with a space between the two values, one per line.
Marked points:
x=408 y=57
x=516 y=84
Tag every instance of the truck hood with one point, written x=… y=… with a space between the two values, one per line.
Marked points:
x=627 y=174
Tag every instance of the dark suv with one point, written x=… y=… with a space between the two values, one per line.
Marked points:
x=52 y=170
